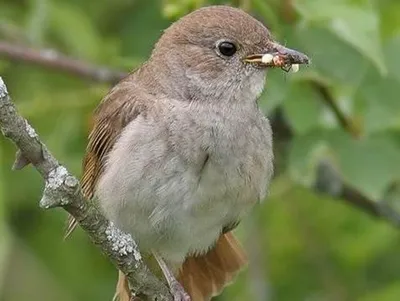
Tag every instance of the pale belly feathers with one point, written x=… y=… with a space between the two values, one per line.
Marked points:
x=175 y=197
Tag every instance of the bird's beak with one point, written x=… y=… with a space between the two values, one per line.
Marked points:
x=279 y=56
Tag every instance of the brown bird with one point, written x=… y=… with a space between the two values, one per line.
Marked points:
x=180 y=151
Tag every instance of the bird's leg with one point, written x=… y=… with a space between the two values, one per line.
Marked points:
x=177 y=290
x=122 y=292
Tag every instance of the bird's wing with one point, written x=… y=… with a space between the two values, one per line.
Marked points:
x=117 y=109
x=231 y=226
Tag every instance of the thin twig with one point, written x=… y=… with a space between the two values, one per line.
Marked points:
x=62 y=190
x=52 y=59
x=288 y=12
x=345 y=122
x=377 y=209
x=330 y=182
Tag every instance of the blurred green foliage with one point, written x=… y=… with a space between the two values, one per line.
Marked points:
x=313 y=247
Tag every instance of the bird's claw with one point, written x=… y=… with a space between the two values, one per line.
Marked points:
x=178 y=292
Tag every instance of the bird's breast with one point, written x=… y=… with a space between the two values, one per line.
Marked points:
x=235 y=173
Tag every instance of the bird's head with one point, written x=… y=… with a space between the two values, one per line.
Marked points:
x=220 y=50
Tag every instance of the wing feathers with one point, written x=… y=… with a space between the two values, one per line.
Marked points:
x=117 y=109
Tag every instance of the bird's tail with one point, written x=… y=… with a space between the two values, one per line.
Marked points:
x=205 y=276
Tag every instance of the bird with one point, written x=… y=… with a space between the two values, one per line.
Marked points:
x=180 y=152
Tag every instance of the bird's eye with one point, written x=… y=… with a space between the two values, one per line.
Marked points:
x=227 y=48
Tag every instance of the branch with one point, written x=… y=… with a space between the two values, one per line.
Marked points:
x=329 y=182
x=54 y=60
x=327 y=174
x=62 y=190
x=287 y=11
x=346 y=123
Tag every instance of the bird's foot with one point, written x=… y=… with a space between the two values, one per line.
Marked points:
x=176 y=289
x=178 y=292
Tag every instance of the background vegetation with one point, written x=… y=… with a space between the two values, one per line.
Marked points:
x=329 y=230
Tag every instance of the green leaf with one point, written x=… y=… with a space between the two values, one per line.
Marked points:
x=265 y=9
x=275 y=91
x=392 y=50
x=138 y=40
x=380 y=99
x=331 y=56
x=305 y=153
x=369 y=164
x=390 y=16
x=74 y=30
x=175 y=9
x=314 y=233
x=302 y=107
x=388 y=292
x=356 y=25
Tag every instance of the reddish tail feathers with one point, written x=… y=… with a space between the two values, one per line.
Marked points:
x=204 y=276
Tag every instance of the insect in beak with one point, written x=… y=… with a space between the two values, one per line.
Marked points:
x=279 y=56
